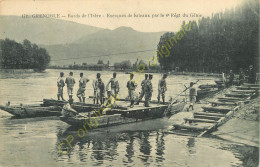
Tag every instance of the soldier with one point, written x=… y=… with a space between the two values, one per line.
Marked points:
x=143 y=84
x=114 y=85
x=192 y=95
x=231 y=78
x=148 y=90
x=60 y=84
x=131 y=85
x=241 y=76
x=95 y=89
x=99 y=89
x=82 y=87
x=251 y=75
x=70 y=81
x=162 y=88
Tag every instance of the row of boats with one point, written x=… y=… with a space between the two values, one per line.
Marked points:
x=118 y=114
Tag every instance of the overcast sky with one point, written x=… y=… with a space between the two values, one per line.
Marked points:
x=115 y=7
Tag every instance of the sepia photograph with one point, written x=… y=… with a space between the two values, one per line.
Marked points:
x=169 y=83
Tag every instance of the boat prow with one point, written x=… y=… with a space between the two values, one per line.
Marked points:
x=32 y=111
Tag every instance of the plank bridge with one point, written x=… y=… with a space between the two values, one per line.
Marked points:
x=218 y=112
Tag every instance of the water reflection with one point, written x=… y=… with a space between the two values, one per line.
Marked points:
x=191 y=145
x=145 y=146
x=103 y=145
x=160 y=146
x=130 y=148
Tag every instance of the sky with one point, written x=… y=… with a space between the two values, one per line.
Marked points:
x=173 y=8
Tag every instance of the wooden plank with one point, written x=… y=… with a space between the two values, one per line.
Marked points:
x=146 y=108
x=251 y=85
x=223 y=103
x=243 y=91
x=218 y=109
x=207 y=86
x=237 y=95
x=142 y=101
x=230 y=99
x=207 y=117
x=199 y=120
x=247 y=88
x=209 y=114
x=190 y=127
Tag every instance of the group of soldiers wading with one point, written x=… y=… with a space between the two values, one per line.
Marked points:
x=99 y=88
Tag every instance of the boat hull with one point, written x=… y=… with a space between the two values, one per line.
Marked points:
x=205 y=93
x=117 y=117
x=32 y=111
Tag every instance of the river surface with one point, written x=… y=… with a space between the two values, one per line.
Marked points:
x=35 y=141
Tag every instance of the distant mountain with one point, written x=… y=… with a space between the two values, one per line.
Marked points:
x=106 y=42
x=43 y=30
x=67 y=40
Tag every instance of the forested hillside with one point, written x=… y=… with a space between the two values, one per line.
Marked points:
x=228 y=40
x=14 y=55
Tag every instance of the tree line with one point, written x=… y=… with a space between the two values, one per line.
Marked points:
x=14 y=55
x=224 y=41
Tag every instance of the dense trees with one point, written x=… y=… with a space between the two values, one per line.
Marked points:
x=100 y=62
x=123 y=65
x=228 y=40
x=14 y=55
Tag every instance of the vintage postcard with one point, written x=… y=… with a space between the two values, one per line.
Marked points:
x=129 y=83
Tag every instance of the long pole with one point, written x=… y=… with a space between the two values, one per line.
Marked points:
x=182 y=92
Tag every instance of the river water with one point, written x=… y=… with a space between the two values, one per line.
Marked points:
x=35 y=141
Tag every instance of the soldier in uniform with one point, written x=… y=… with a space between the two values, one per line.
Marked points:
x=192 y=95
x=82 y=87
x=99 y=89
x=131 y=85
x=60 y=84
x=251 y=75
x=148 y=90
x=231 y=78
x=95 y=89
x=70 y=81
x=143 y=84
x=162 y=88
x=114 y=86
x=241 y=76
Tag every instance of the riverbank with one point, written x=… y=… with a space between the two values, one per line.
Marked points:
x=16 y=70
x=244 y=126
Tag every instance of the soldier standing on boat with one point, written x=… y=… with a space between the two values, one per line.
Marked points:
x=131 y=85
x=95 y=90
x=70 y=81
x=192 y=95
x=60 y=84
x=143 y=84
x=251 y=75
x=148 y=90
x=114 y=85
x=99 y=90
x=241 y=76
x=162 y=88
x=231 y=78
x=82 y=87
